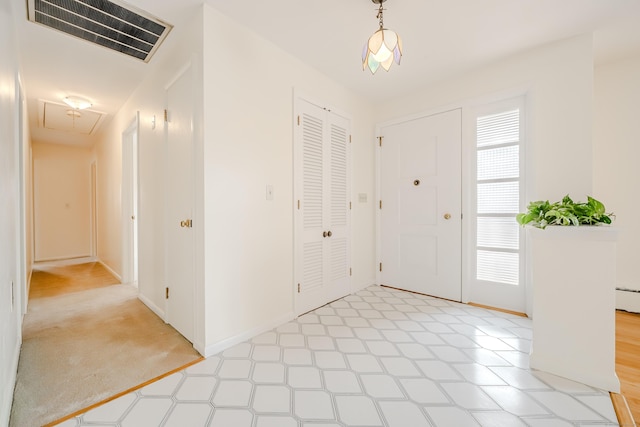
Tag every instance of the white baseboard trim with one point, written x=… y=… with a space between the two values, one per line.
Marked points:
x=7 y=393
x=146 y=301
x=110 y=270
x=628 y=300
x=54 y=262
x=218 y=347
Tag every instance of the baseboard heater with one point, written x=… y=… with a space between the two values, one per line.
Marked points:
x=628 y=299
x=637 y=291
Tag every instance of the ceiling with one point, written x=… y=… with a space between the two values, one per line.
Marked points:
x=440 y=38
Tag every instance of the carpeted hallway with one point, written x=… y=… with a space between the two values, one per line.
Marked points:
x=86 y=338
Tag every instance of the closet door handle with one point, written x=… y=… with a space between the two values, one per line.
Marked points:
x=329 y=233
x=324 y=234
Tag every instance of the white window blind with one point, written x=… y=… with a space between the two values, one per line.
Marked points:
x=498 y=197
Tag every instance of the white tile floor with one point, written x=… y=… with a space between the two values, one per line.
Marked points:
x=381 y=357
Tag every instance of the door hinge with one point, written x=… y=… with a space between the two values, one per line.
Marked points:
x=298 y=287
x=298 y=120
x=349 y=139
x=380 y=266
x=350 y=272
x=298 y=204
x=380 y=204
x=166 y=293
x=166 y=115
x=380 y=140
x=349 y=205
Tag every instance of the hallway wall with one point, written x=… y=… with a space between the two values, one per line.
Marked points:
x=10 y=294
x=616 y=173
x=62 y=201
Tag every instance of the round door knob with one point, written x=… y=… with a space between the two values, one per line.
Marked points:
x=447 y=216
x=324 y=234
x=329 y=233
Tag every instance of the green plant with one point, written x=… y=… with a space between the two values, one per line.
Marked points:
x=567 y=212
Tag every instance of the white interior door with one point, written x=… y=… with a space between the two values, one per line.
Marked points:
x=130 y=204
x=179 y=190
x=322 y=216
x=420 y=215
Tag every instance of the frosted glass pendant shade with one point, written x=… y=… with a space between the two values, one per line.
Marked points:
x=384 y=46
x=383 y=49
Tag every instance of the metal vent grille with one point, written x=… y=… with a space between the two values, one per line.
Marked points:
x=112 y=25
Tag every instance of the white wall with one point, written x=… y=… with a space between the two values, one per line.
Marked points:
x=62 y=201
x=10 y=302
x=248 y=134
x=615 y=156
x=108 y=155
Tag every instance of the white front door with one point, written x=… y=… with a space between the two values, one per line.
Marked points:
x=322 y=213
x=180 y=265
x=421 y=208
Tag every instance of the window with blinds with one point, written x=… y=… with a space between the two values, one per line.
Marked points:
x=498 y=148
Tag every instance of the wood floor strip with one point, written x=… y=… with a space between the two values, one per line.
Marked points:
x=502 y=310
x=625 y=419
x=115 y=396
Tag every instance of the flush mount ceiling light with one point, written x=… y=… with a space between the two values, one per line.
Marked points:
x=383 y=48
x=77 y=103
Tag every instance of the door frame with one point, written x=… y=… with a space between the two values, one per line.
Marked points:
x=468 y=179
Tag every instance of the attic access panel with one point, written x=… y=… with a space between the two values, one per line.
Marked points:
x=61 y=117
x=116 y=26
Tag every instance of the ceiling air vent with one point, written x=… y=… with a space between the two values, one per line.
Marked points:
x=116 y=26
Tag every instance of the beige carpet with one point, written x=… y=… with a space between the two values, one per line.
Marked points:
x=82 y=347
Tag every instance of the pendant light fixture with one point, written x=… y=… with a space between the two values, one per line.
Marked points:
x=383 y=47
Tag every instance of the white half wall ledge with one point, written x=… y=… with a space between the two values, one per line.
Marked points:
x=223 y=345
x=574 y=277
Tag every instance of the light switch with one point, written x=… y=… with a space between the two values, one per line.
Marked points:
x=362 y=197
x=269 y=192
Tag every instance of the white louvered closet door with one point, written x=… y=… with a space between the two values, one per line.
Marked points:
x=322 y=217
